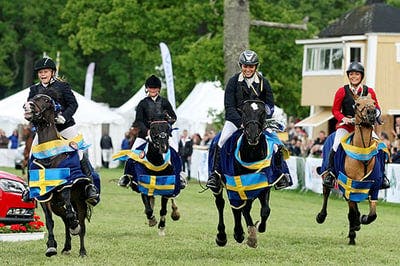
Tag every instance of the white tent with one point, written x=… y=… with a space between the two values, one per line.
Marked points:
x=128 y=109
x=89 y=117
x=193 y=113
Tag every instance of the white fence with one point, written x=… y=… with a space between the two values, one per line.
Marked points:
x=304 y=174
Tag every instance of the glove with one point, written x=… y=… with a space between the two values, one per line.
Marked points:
x=60 y=119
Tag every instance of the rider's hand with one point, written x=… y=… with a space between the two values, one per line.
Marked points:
x=346 y=120
x=60 y=119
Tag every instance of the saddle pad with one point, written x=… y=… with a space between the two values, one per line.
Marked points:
x=152 y=185
x=246 y=186
x=42 y=181
x=352 y=189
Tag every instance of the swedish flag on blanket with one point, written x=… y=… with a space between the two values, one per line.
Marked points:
x=152 y=185
x=352 y=189
x=142 y=171
x=377 y=149
x=42 y=177
x=246 y=186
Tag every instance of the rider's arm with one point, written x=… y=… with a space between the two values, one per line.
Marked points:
x=170 y=111
x=373 y=96
x=337 y=104
x=230 y=102
x=140 y=118
x=70 y=105
x=269 y=100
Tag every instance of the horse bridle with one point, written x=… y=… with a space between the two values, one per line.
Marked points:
x=161 y=135
x=39 y=113
x=254 y=121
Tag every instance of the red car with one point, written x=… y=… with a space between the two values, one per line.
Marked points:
x=12 y=209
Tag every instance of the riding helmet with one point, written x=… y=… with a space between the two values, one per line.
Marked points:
x=153 y=82
x=355 y=67
x=44 y=63
x=249 y=58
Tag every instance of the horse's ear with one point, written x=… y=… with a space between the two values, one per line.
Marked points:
x=369 y=96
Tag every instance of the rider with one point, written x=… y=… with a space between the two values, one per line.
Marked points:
x=248 y=84
x=343 y=111
x=151 y=107
x=46 y=70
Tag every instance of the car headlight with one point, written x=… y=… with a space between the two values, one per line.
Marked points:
x=8 y=185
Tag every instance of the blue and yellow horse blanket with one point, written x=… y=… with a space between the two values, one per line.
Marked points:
x=142 y=171
x=369 y=186
x=42 y=181
x=260 y=175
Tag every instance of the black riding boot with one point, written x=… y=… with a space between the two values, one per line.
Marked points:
x=285 y=180
x=385 y=182
x=214 y=180
x=329 y=179
x=91 y=190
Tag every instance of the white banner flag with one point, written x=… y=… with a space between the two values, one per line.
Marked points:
x=169 y=77
x=89 y=81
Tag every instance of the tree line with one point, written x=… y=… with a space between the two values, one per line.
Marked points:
x=122 y=38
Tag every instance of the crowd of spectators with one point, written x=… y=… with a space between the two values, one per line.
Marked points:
x=11 y=141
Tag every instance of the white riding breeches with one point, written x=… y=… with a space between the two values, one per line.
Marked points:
x=227 y=131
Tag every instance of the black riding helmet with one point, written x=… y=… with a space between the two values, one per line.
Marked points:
x=44 y=63
x=153 y=82
x=249 y=58
x=355 y=67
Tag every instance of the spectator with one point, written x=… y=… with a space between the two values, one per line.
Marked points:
x=316 y=148
x=196 y=139
x=185 y=150
x=395 y=155
x=14 y=139
x=207 y=138
x=385 y=139
x=3 y=140
x=106 y=149
x=126 y=142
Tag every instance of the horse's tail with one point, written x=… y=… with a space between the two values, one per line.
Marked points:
x=89 y=211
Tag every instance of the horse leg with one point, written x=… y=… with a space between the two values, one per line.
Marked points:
x=238 y=233
x=175 y=214
x=51 y=241
x=70 y=214
x=264 y=211
x=323 y=213
x=367 y=219
x=67 y=244
x=163 y=213
x=252 y=229
x=221 y=235
x=354 y=221
x=148 y=209
x=82 y=214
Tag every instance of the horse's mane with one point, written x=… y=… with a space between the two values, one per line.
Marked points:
x=53 y=93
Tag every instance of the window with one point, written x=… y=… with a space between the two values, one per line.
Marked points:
x=398 y=52
x=324 y=59
x=354 y=52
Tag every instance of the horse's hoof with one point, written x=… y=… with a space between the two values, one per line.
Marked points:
x=161 y=231
x=261 y=227
x=175 y=215
x=366 y=219
x=221 y=239
x=152 y=221
x=51 y=251
x=320 y=218
x=352 y=242
x=66 y=252
x=252 y=238
x=75 y=231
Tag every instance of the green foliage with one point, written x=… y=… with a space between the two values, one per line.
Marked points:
x=118 y=233
x=122 y=38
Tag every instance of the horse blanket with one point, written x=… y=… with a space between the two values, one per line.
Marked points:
x=142 y=171
x=367 y=187
x=42 y=181
x=261 y=174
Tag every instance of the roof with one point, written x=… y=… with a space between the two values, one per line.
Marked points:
x=374 y=16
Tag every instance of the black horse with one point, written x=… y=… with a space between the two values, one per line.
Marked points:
x=250 y=166
x=154 y=169
x=55 y=177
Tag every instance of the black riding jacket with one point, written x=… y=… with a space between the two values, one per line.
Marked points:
x=149 y=110
x=237 y=92
x=66 y=99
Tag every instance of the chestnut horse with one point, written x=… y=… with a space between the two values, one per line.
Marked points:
x=359 y=166
x=55 y=178
x=250 y=166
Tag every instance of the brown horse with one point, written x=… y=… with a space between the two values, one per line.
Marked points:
x=361 y=174
x=65 y=200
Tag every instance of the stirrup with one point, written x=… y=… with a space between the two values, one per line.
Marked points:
x=124 y=181
x=214 y=182
x=385 y=183
x=283 y=182
x=329 y=179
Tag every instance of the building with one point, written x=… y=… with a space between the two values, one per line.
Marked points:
x=369 y=34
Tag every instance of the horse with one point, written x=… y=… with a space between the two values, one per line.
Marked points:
x=154 y=168
x=250 y=165
x=27 y=136
x=359 y=166
x=55 y=178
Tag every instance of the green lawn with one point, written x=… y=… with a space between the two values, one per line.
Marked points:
x=118 y=234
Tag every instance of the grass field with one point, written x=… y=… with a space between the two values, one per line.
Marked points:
x=118 y=234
